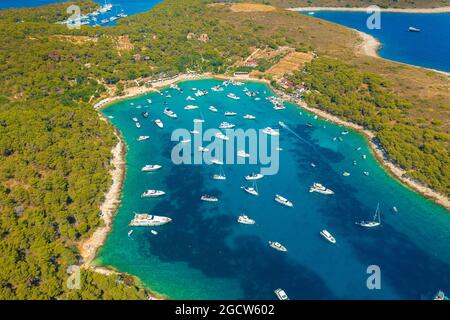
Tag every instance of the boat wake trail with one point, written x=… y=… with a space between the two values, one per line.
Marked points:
x=282 y=124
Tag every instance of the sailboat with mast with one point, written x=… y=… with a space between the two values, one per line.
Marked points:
x=221 y=175
x=375 y=222
x=252 y=190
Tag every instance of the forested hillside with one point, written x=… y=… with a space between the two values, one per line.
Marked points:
x=55 y=151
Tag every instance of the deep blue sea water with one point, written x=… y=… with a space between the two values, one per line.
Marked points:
x=429 y=48
x=205 y=253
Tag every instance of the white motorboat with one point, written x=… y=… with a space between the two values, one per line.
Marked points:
x=190 y=98
x=168 y=112
x=375 y=222
x=216 y=161
x=198 y=120
x=230 y=114
x=159 y=123
x=221 y=136
x=226 y=125
x=209 y=198
x=151 y=167
x=191 y=107
x=346 y=174
x=213 y=109
x=138 y=125
x=148 y=220
x=135 y=119
x=233 y=96
x=244 y=219
x=279 y=106
x=153 y=193
x=328 y=236
x=283 y=201
x=203 y=149
x=271 y=131
x=217 y=88
x=249 y=117
x=317 y=187
x=185 y=141
x=254 y=176
x=194 y=132
x=281 y=295
x=142 y=138
x=243 y=154
x=277 y=246
x=154 y=232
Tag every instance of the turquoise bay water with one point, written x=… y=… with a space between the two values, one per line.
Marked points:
x=205 y=254
x=429 y=48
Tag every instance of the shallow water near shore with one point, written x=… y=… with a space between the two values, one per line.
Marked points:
x=205 y=254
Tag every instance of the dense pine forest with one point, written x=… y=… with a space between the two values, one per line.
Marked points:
x=55 y=151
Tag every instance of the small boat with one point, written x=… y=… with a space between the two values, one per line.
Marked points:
x=244 y=219
x=145 y=114
x=194 y=132
x=283 y=201
x=198 y=120
x=364 y=156
x=226 y=125
x=130 y=232
x=313 y=165
x=201 y=93
x=412 y=29
x=271 y=131
x=142 y=138
x=328 y=236
x=233 y=96
x=220 y=176
x=281 y=295
x=394 y=208
x=159 y=123
x=190 y=98
x=168 y=112
x=249 y=117
x=135 y=119
x=190 y=107
x=346 y=174
x=221 y=136
x=154 y=232
x=317 y=187
x=202 y=149
x=209 y=198
x=309 y=124
x=217 y=88
x=185 y=141
x=216 y=161
x=149 y=101
x=252 y=190
x=138 y=125
x=277 y=246
x=152 y=194
x=151 y=167
x=230 y=114
x=279 y=107
x=344 y=132
x=366 y=173
x=213 y=109
x=254 y=176
x=279 y=149
x=243 y=154
x=148 y=220
x=375 y=222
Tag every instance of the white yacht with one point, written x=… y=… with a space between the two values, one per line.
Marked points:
x=168 y=112
x=203 y=149
x=249 y=117
x=283 y=201
x=226 y=125
x=245 y=219
x=208 y=198
x=159 y=123
x=346 y=174
x=219 y=177
x=190 y=98
x=251 y=190
x=217 y=88
x=281 y=295
x=243 y=154
x=151 y=167
x=233 y=96
x=149 y=101
x=138 y=125
x=328 y=236
x=148 y=220
x=254 y=176
x=213 y=109
x=221 y=136
x=317 y=187
x=271 y=131
x=277 y=246
x=190 y=107
x=185 y=141
x=135 y=119
x=142 y=138
x=154 y=232
x=230 y=114
x=198 y=120
x=216 y=161
x=375 y=222
x=153 y=193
